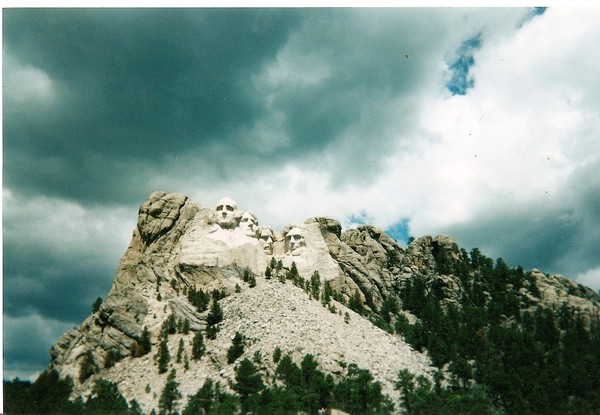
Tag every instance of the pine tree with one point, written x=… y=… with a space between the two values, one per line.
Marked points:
x=215 y=315
x=169 y=326
x=327 y=293
x=406 y=386
x=203 y=401
x=293 y=274
x=358 y=393
x=179 y=351
x=198 y=346
x=288 y=372
x=49 y=394
x=389 y=306
x=236 y=349
x=88 y=366
x=135 y=408
x=96 y=305
x=163 y=356
x=356 y=304
x=248 y=385
x=276 y=354
x=199 y=299
x=106 y=398
x=211 y=400
x=392 y=258
x=315 y=285
x=145 y=343
x=211 y=332
x=111 y=358
x=185 y=329
x=170 y=395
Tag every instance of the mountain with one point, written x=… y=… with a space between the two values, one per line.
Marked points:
x=416 y=324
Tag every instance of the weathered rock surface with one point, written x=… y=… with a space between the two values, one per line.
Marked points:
x=273 y=315
x=557 y=291
x=178 y=244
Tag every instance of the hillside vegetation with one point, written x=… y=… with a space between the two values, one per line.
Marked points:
x=495 y=354
x=206 y=320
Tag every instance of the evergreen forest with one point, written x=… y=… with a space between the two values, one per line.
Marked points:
x=494 y=354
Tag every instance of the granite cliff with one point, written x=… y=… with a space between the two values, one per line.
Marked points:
x=264 y=280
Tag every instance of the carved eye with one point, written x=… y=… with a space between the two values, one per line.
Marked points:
x=219 y=208
x=229 y=208
x=155 y=212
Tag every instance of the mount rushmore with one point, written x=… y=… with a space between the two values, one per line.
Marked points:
x=227 y=235
x=179 y=246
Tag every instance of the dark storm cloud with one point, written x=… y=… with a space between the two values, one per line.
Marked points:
x=58 y=258
x=370 y=58
x=133 y=86
x=35 y=282
x=522 y=238
x=26 y=350
x=136 y=90
x=203 y=101
x=562 y=239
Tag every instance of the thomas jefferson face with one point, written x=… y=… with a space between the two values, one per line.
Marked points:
x=266 y=240
x=249 y=224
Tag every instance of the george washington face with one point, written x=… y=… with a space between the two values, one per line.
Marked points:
x=226 y=213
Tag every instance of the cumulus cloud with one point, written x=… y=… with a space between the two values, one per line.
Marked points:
x=509 y=164
x=25 y=84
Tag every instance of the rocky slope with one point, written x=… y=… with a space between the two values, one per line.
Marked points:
x=178 y=244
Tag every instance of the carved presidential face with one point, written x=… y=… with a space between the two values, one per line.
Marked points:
x=226 y=213
x=266 y=240
x=249 y=224
x=295 y=241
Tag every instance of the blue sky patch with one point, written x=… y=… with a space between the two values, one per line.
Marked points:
x=399 y=231
x=461 y=80
x=361 y=218
x=535 y=11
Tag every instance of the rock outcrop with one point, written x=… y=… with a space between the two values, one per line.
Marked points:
x=179 y=245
